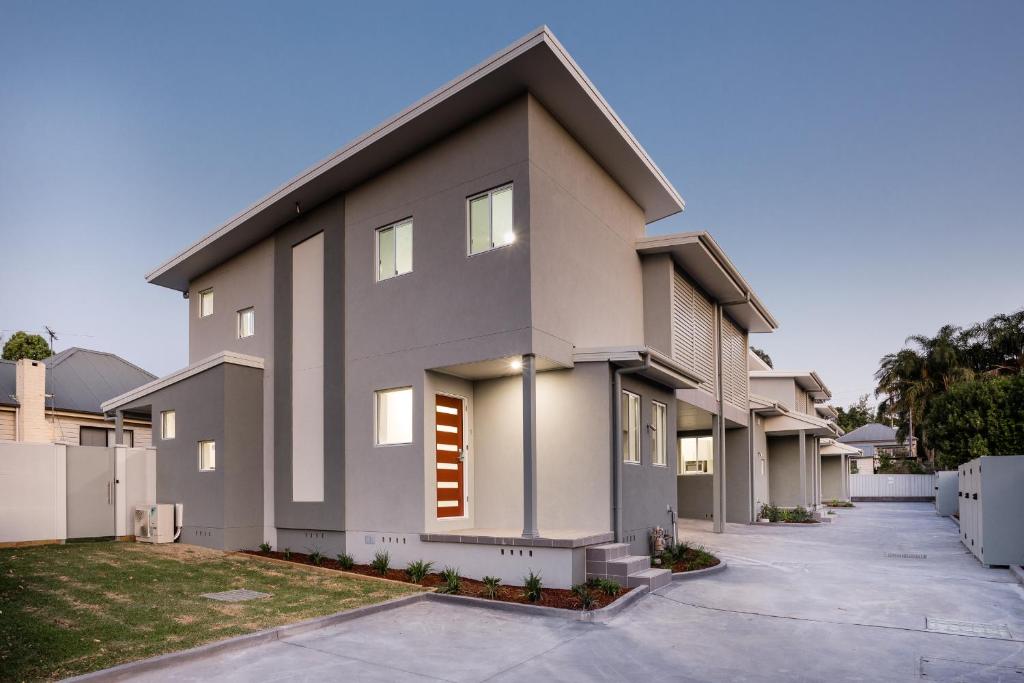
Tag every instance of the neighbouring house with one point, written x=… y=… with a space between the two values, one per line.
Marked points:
x=875 y=440
x=452 y=340
x=57 y=400
x=791 y=422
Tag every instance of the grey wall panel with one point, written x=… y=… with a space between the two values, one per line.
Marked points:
x=761 y=473
x=657 y=276
x=782 y=389
x=242 y=460
x=832 y=478
x=784 y=470
x=329 y=219
x=738 y=476
x=695 y=493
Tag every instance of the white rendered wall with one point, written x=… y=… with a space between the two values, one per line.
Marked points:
x=308 y=370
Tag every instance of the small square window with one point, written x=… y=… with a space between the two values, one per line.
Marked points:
x=167 y=424
x=490 y=220
x=207 y=456
x=206 y=303
x=394 y=250
x=394 y=416
x=246 y=322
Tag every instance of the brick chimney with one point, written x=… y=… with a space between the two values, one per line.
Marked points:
x=30 y=382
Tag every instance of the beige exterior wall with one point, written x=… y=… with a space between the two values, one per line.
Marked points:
x=8 y=425
x=65 y=428
x=832 y=478
x=782 y=389
x=584 y=228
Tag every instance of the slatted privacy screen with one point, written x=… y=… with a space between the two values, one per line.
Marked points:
x=693 y=331
x=734 y=364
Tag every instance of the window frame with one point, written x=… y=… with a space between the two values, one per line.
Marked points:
x=490 y=206
x=202 y=296
x=163 y=424
x=629 y=398
x=681 y=466
x=199 y=451
x=659 y=438
x=238 y=322
x=376 y=248
x=377 y=394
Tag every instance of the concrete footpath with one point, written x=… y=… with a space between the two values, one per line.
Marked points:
x=885 y=594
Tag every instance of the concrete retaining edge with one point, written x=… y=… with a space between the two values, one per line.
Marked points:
x=1017 y=571
x=596 y=616
x=697 y=573
x=130 y=669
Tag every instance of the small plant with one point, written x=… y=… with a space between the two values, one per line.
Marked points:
x=345 y=561
x=287 y=553
x=264 y=547
x=381 y=562
x=582 y=593
x=316 y=557
x=609 y=587
x=532 y=585
x=491 y=584
x=798 y=515
x=418 y=570
x=452 y=584
x=839 y=504
x=770 y=512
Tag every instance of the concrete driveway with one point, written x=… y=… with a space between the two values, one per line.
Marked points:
x=857 y=600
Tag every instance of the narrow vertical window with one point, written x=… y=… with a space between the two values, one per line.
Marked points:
x=659 y=434
x=246 y=322
x=167 y=425
x=206 y=303
x=630 y=427
x=394 y=250
x=394 y=416
x=207 y=456
x=490 y=220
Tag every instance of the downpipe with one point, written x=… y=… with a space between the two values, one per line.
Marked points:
x=617 y=440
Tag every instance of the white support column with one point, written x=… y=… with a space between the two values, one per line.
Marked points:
x=718 y=476
x=803 y=468
x=530 y=446
x=119 y=428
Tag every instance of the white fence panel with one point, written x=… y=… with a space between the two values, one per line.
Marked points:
x=881 y=486
x=33 y=494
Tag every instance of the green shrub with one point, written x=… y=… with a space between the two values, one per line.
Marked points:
x=797 y=515
x=491 y=584
x=418 y=570
x=316 y=557
x=452 y=582
x=609 y=587
x=287 y=553
x=381 y=562
x=582 y=593
x=264 y=547
x=532 y=586
x=345 y=561
x=770 y=512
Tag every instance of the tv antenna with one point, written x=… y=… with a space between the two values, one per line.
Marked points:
x=49 y=375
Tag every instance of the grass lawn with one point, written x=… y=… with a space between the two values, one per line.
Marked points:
x=70 y=609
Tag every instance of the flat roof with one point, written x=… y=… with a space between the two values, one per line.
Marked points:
x=536 y=63
x=808 y=380
x=700 y=256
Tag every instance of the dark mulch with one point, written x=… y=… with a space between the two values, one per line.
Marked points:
x=693 y=560
x=550 y=597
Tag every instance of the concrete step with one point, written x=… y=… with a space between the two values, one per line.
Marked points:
x=630 y=564
x=652 y=578
x=606 y=552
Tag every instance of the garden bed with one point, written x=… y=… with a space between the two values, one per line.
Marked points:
x=839 y=504
x=684 y=557
x=797 y=515
x=558 y=598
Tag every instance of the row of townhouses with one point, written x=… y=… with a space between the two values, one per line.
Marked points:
x=454 y=340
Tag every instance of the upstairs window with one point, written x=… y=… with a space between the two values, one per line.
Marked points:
x=659 y=434
x=246 y=322
x=206 y=303
x=630 y=427
x=490 y=220
x=207 y=456
x=394 y=250
x=394 y=416
x=167 y=424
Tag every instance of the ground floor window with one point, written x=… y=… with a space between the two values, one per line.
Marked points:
x=394 y=416
x=103 y=437
x=630 y=427
x=696 y=455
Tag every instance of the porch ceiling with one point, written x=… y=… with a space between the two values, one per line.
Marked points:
x=690 y=418
x=496 y=367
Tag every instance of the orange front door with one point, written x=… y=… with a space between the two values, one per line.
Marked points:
x=449 y=457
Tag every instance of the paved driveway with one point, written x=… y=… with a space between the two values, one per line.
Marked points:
x=809 y=603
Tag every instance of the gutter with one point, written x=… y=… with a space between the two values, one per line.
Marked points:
x=617 y=440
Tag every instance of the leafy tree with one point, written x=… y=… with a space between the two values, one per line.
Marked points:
x=24 y=345
x=982 y=417
x=857 y=415
x=763 y=355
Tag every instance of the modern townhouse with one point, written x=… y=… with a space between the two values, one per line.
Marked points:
x=789 y=429
x=453 y=340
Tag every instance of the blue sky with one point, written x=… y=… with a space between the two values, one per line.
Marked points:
x=862 y=163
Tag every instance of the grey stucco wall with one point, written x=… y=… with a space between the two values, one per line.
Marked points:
x=737 y=476
x=223 y=404
x=247 y=280
x=695 y=495
x=831 y=478
x=784 y=465
x=328 y=515
x=761 y=469
x=657 y=286
x=781 y=389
